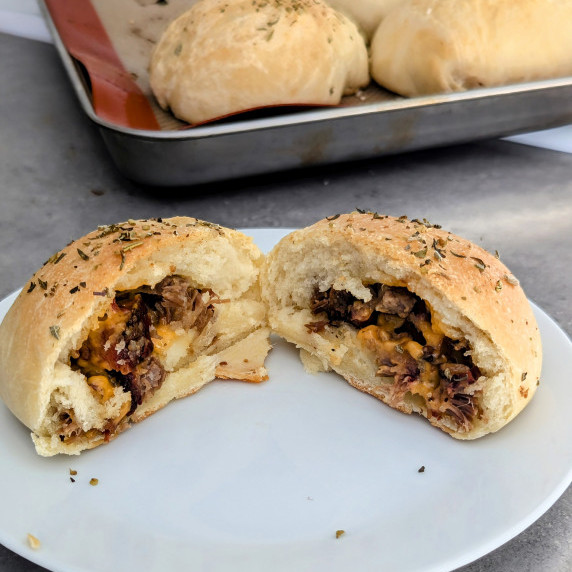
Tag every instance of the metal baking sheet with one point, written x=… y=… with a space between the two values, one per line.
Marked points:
x=364 y=127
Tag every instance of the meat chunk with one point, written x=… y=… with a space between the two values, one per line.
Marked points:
x=335 y=303
x=151 y=375
x=457 y=377
x=398 y=301
x=462 y=408
x=180 y=302
x=401 y=367
x=144 y=380
x=360 y=312
x=134 y=343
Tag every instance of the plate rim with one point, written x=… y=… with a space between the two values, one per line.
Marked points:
x=479 y=550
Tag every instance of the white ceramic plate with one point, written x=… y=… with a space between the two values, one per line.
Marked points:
x=248 y=477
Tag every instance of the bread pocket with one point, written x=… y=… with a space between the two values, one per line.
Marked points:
x=420 y=318
x=124 y=320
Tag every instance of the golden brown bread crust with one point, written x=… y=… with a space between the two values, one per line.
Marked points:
x=469 y=291
x=62 y=302
x=435 y=46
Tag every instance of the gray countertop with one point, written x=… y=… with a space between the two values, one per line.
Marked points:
x=57 y=182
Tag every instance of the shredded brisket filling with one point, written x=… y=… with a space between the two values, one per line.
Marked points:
x=120 y=351
x=396 y=324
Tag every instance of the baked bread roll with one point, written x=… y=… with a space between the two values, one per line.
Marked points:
x=366 y=13
x=227 y=56
x=127 y=318
x=434 y=46
x=419 y=318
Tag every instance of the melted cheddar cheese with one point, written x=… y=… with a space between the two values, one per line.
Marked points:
x=389 y=346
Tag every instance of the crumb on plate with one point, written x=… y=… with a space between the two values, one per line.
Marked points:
x=33 y=542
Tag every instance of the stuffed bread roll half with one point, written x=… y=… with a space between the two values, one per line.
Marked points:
x=420 y=318
x=124 y=320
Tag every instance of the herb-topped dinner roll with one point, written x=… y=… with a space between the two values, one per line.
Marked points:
x=127 y=318
x=434 y=46
x=227 y=56
x=420 y=318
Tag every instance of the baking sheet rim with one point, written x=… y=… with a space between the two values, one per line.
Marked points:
x=302 y=117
